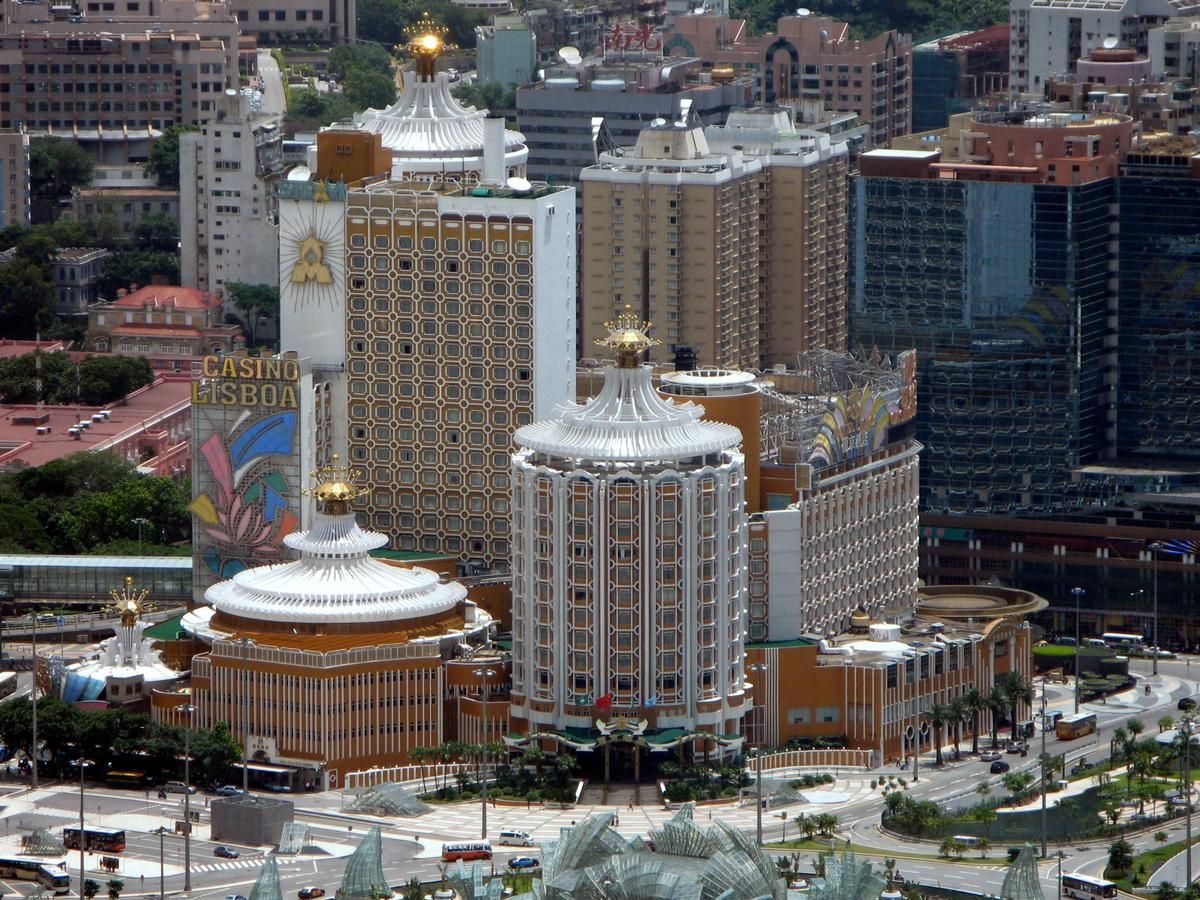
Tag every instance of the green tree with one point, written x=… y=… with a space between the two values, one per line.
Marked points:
x=1165 y=723
x=368 y=89
x=164 y=156
x=1167 y=891
x=346 y=58
x=490 y=95
x=20 y=530
x=306 y=103
x=1160 y=837
x=90 y=888
x=951 y=847
x=254 y=302
x=56 y=166
x=1017 y=692
x=985 y=815
x=115 y=886
x=997 y=703
x=158 y=232
x=939 y=714
x=1120 y=857
x=126 y=268
x=26 y=300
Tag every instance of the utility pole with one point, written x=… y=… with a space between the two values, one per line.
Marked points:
x=1077 y=592
x=1154 y=548
x=33 y=695
x=1043 y=724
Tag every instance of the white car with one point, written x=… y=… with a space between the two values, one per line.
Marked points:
x=990 y=756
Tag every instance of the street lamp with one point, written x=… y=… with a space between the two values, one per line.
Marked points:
x=83 y=764
x=187 y=798
x=161 y=830
x=484 y=673
x=34 y=697
x=245 y=643
x=140 y=522
x=1077 y=592
x=1043 y=723
x=758 y=798
x=1061 y=856
x=1185 y=728
x=1154 y=548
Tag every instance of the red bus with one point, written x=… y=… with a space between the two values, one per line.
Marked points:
x=106 y=839
x=473 y=850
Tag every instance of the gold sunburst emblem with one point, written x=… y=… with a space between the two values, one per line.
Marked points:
x=310 y=261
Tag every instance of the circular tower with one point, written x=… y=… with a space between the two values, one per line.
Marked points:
x=629 y=560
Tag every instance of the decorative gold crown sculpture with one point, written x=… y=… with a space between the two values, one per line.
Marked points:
x=627 y=336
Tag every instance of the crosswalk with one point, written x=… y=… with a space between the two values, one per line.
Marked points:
x=226 y=865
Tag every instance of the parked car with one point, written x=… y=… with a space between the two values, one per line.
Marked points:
x=311 y=893
x=990 y=755
x=225 y=852
x=228 y=790
x=1186 y=703
x=523 y=862
x=235 y=897
x=999 y=767
x=178 y=787
x=279 y=788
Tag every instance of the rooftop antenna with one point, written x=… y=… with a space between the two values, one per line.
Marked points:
x=37 y=365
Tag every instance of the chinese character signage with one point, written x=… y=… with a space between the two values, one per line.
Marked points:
x=629 y=37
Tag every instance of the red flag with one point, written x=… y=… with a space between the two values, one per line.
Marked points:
x=605 y=702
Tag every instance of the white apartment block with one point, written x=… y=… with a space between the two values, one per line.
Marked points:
x=1047 y=37
x=227 y=207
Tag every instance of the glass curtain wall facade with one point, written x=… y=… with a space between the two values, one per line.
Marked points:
x=1003 y=290
x=1158 y=399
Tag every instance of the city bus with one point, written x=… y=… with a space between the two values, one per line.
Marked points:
x=1084 y=887
x=108 y=840
x=1070 y=727
x=472 y=850
x=128 y=779
x=8 y=684
x=1123 y=641
x=52 y=878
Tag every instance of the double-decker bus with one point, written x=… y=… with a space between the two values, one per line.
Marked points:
x=130 y=778
x=468 y=851
x=1070 y=727
x=52 y=878
x=1084 y=887
x=109 y=840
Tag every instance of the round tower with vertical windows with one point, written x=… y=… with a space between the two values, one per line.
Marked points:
x=629 y=562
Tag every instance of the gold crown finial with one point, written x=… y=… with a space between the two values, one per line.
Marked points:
x=127 y=602
x=426 y=41
x=336 y=486
x=627 y=336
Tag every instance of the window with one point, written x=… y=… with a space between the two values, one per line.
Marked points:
x=800 y=715
x=828 y=713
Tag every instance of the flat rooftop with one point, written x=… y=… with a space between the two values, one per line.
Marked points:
x=21 y=443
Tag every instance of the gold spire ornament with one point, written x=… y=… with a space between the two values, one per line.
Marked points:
x=127 y=602
x=337 y=486
x=627 y=336
x=426 y=41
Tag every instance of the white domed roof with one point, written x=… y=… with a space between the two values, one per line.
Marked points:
x=427 y=120
x=629 y=422
x=334 y=581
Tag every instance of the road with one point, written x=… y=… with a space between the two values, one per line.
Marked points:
x=272 y=84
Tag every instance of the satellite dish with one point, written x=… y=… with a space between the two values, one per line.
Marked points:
x=659 y=121
x=519 y=184
x=804 y=11
x=1110 y=42
x=570 y=55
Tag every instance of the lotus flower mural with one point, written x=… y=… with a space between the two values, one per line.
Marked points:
x=248 y=517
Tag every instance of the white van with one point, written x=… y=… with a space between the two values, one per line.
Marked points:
x=515 y=838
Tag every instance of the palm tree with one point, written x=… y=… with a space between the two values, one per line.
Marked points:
x=1017 y=692
x=1164 y=723
x=997 y=703
x=958 y=715
x=1135 y=727
x=939 y=714
x=974 y=702
x=1119 y=738
x=983 y=789
x=419 y=757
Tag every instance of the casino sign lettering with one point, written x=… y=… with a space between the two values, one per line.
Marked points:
x=631 y=37
x=247 y=381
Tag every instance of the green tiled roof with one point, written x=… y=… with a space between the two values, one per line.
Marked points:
x=165 y=631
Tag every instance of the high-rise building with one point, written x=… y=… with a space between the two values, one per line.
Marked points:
x=1011 y=335
x=227 y=214
x=14 y=177
x=439 y=304
x=809 y=58
x=293 y=22
x=507 y=50
x=113 y=79
x=629 y=566
x=732 y=237
x=949 y=74
x=1048 y=37
x=577 y=112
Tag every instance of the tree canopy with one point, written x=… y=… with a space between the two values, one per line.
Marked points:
x=491 y=96
x=88 y=500
x=27 y=302
x=99 y=379
x=368 y=89
x=164 y=156
x=384 y=21
x=254 y=301
x=345 y=58
x=56 y=166
x=129 y=267
x=157 y=232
